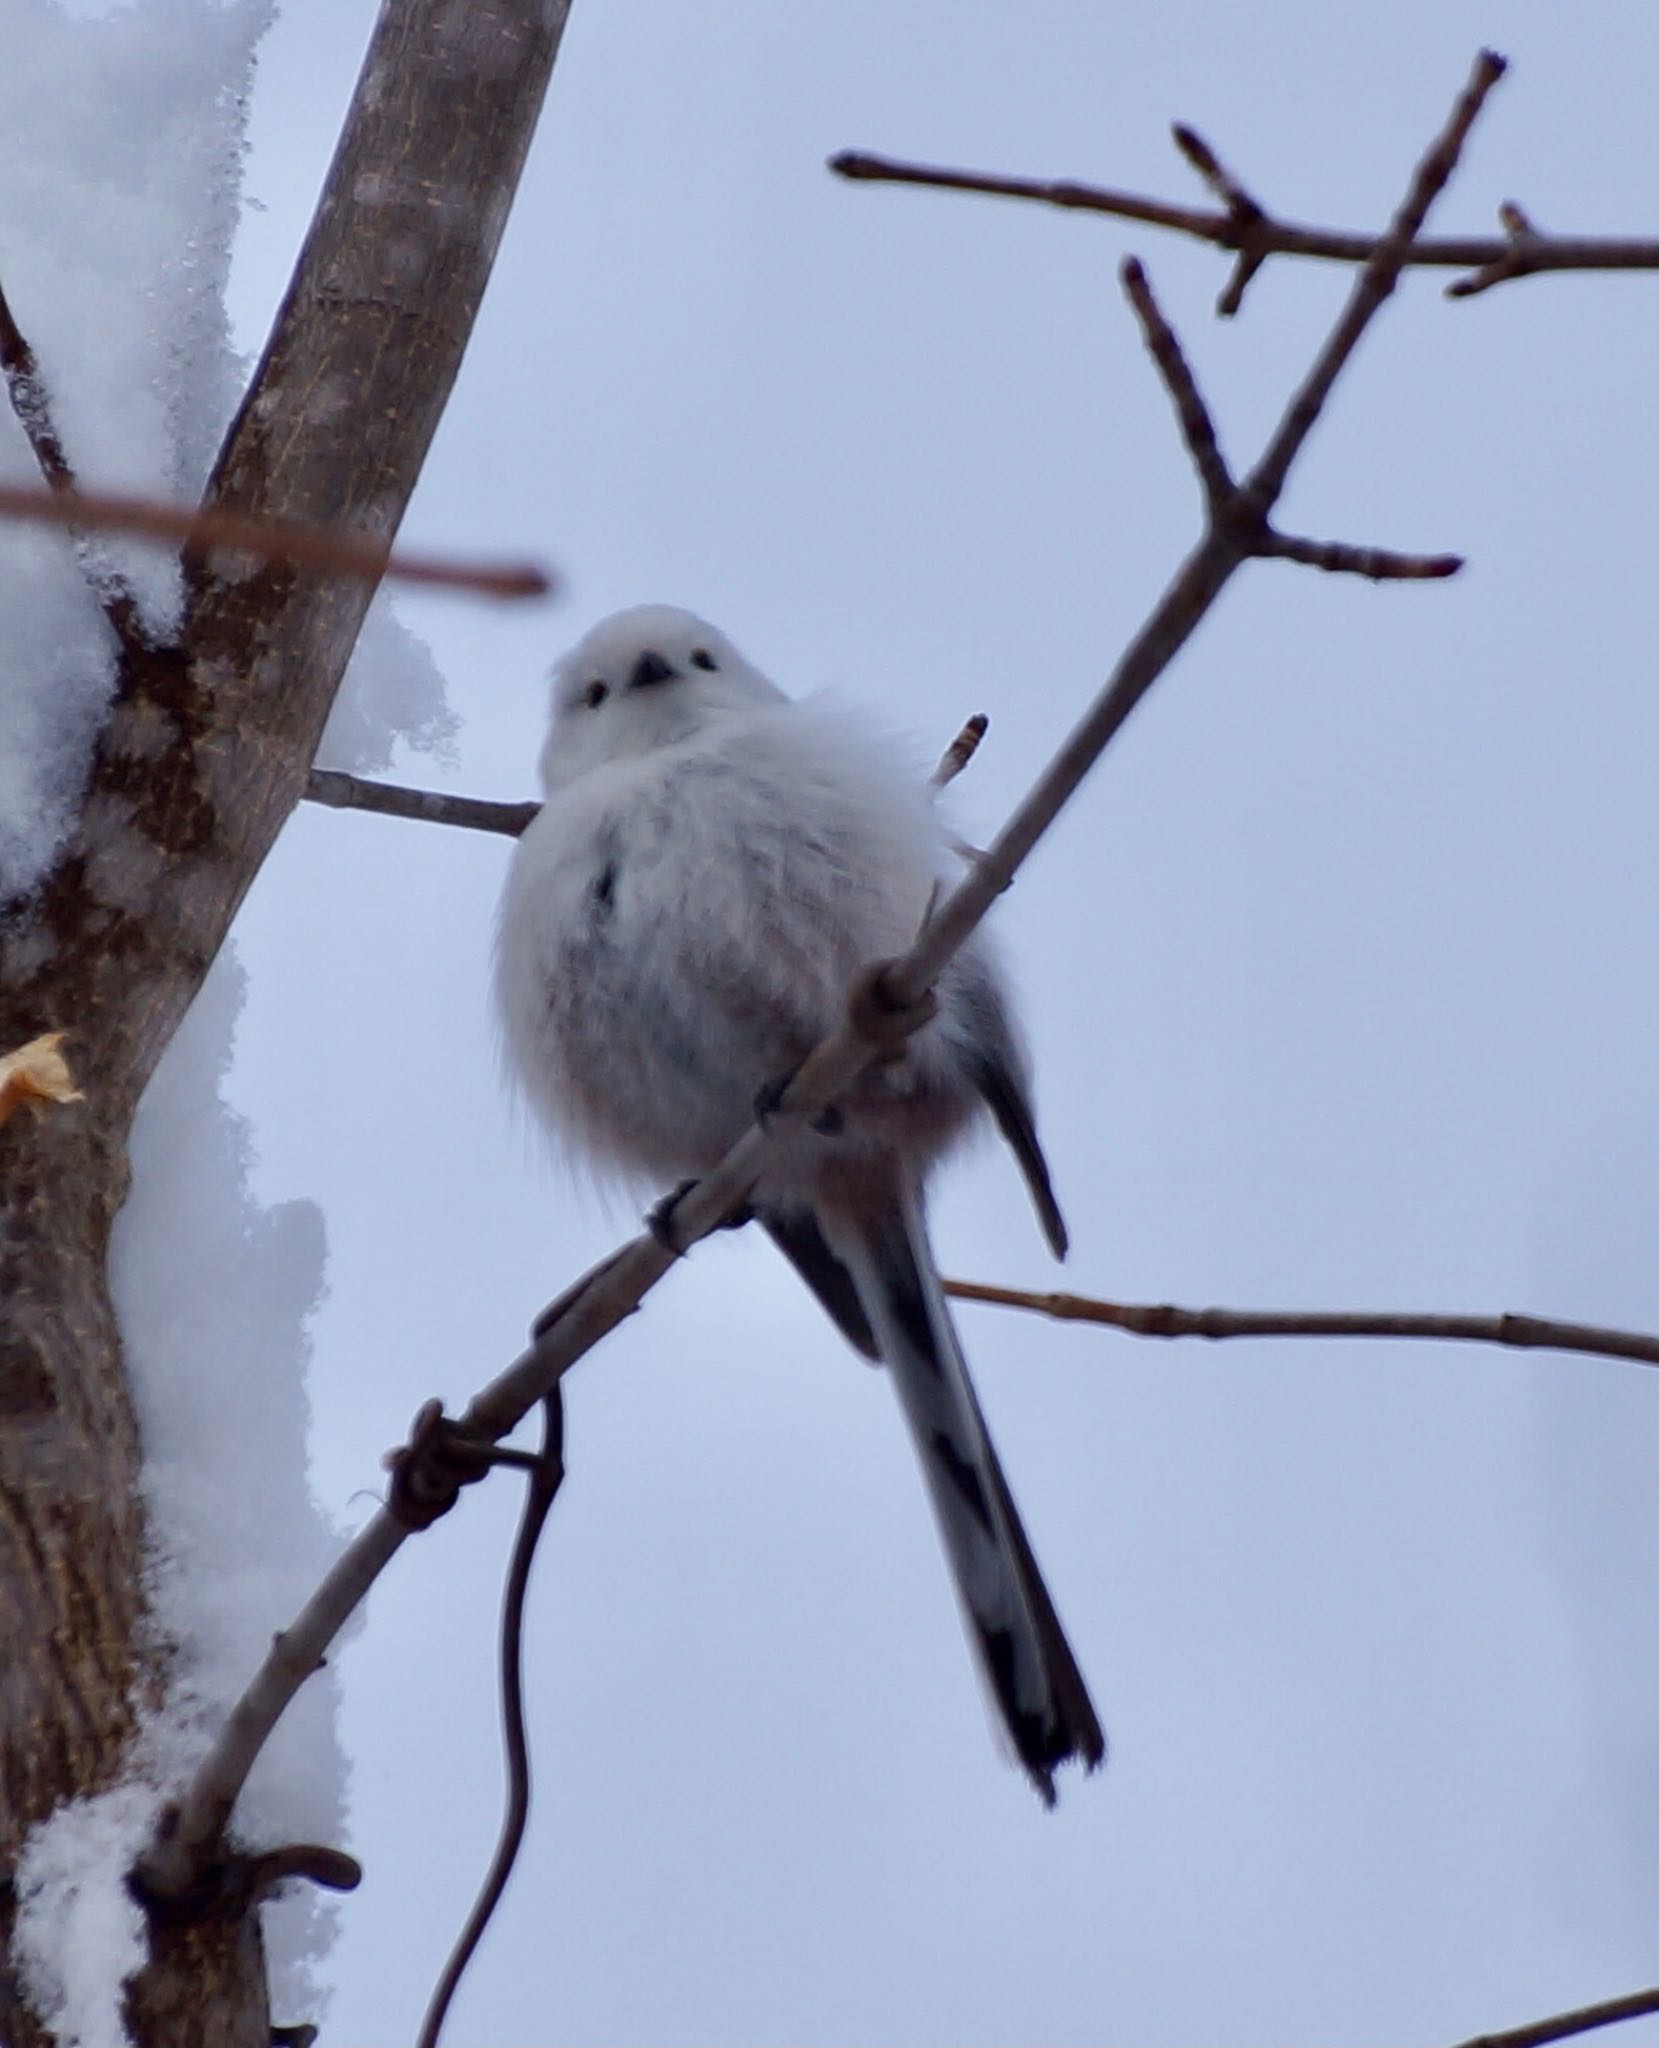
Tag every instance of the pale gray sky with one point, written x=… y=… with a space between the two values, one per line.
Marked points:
x=1340 y=976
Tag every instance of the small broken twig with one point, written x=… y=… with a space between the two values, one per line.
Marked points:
x=961 y=750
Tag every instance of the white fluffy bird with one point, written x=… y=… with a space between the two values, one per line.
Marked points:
x=713 y=866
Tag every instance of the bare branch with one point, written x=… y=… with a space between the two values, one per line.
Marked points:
x=1381 y=565
x=889 y=999
x=289 y=541
x=1239 y=510
x=343 y=792
x=1563 y=2025
x=1240 y=204
x=1227 y=542
x=1374 y=284
x=1197 y=428
x=1246 y=216
x=1253 y=234
x=1523 y=250
x=863 y=166
x=1163 y=1319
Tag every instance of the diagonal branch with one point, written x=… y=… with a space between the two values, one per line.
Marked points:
x=614 y=1289
x=1562 y=2026
x=1232 y=535
x=1164 y=1319
x=1245 y=227
x=1373 y=285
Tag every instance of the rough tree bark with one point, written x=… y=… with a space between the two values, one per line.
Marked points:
x=205 y=752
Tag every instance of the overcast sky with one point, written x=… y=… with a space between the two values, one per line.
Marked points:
x=1340 y=975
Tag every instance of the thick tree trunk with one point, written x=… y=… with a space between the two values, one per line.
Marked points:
x=203 y=757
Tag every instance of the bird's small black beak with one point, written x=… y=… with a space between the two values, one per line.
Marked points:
x=649 y=669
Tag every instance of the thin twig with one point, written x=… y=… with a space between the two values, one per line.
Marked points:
x=614 y=1289
x=1524 y=251
x=1381 y=565
x=1231 y=507
x=1225 y=544
x=1164 y=1319
x=1490 y=259
x=1374 y=284
x=1230 y=190
x=1197 y=427
x=274 y=540
x=32 y=404
x=343 y=792
x=1563 y=2025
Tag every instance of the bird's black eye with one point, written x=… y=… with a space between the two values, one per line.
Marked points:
x=701 y=658
x=595 y=693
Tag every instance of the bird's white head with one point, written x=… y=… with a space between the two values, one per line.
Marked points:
x=642 y=679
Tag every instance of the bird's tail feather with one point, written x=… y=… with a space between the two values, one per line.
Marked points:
x=1033 y=1676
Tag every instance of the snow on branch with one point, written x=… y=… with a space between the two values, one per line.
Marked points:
x=186 y=760
x=888 y=1001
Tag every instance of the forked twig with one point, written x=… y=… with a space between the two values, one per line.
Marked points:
x=1245 y=227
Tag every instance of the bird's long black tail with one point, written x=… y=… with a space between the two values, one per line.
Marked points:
x=1022 y=1648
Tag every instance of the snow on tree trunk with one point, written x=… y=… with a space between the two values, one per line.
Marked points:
x=140 y=835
